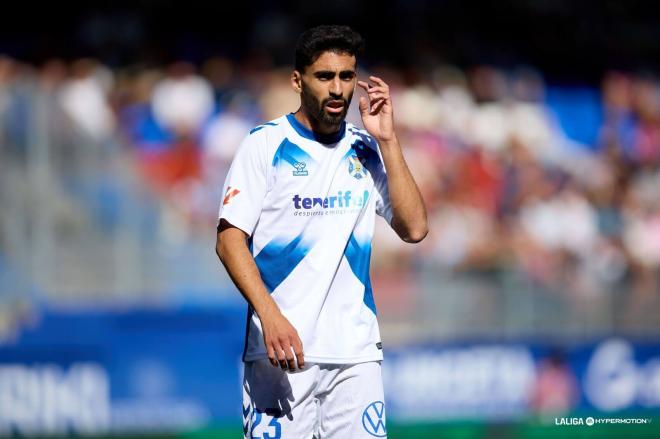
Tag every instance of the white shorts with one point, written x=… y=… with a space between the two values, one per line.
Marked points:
x=324 y=401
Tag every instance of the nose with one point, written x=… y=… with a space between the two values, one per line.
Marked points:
x=335 y=88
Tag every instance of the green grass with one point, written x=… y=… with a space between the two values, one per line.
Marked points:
x=531 y=429
x=475 y=430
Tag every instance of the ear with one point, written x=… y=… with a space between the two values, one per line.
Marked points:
x=296 y=81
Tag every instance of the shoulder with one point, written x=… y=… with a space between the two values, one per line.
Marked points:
x=266 y=126
x=263 y=136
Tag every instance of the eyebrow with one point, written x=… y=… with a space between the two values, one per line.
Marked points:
x=332 y=72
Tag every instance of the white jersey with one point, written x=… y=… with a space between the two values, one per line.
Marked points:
x=308 y=204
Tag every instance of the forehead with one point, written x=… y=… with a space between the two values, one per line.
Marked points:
x=333 y=61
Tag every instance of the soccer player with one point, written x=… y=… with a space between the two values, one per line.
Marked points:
x=294 y=234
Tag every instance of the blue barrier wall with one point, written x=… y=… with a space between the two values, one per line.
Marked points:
x=91 y=372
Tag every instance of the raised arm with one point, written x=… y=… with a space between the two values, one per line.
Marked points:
x=408 y=210
x=280 y=337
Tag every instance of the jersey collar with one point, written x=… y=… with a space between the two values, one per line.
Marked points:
x=311 y=135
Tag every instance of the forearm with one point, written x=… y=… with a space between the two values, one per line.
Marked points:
x=408 y=210
x=281 y=339
x=239 y=263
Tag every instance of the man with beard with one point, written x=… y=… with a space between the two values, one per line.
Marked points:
x=294 y=234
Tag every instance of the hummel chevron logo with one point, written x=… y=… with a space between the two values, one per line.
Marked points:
x=231 y=193
x=300 y=169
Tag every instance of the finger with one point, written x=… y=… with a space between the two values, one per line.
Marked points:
x=376 y=96
x=281 y=357
x=372 y=89
x=290 y=358
x=375 y=109
x=379 y=81
x=300 y=356
x=289 y=352
x=271 y=354
x=377 y=89
x=375 y=102
x=363 y=104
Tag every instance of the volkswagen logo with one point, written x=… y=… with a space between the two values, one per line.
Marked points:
x=373 y=419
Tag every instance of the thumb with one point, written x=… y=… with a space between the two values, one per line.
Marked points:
x=363 y=105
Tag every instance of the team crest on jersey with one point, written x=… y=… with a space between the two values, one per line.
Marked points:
x=356 y=167
x=301 y=169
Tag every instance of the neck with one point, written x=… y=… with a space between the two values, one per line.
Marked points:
x=312 y=124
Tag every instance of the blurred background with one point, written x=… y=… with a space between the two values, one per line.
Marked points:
x=532 y=128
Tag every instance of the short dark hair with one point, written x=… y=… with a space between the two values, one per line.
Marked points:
x=313 y=42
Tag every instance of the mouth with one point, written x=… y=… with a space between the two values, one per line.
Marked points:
x=334 y=107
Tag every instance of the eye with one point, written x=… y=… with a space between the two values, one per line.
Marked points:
x=347 y=76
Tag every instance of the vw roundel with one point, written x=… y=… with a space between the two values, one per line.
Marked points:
x=373 y=419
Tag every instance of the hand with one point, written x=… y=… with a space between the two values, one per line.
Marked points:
x=376 y=112
x=282 y=342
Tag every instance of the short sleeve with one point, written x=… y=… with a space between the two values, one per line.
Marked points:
x=245 y=186
x=383 y=206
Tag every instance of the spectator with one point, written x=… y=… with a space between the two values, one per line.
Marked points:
x=84 y=98
x=183 y=101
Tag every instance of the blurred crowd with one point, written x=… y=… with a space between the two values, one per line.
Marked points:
x=507 y=185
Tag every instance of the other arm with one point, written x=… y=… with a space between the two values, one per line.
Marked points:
x=280 y=337
x=408 y=209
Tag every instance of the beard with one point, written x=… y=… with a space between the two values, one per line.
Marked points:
x=316 y=108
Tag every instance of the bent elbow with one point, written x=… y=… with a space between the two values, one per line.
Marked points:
x=413 y=232
x=416 y=236
x=219 y=251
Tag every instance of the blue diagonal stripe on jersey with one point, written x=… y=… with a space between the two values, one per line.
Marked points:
x=359 y=257
x=367 y=155
x=278 y=259
x=267 y=124
x=291 y=153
